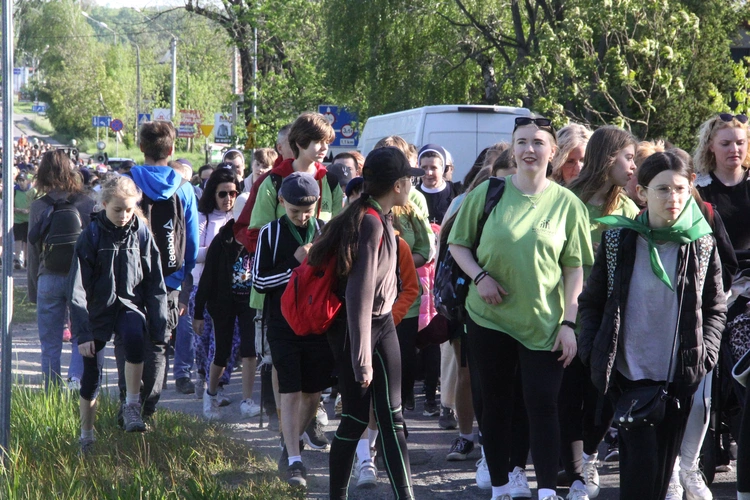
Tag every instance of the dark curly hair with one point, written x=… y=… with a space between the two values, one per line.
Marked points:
x=207 y=203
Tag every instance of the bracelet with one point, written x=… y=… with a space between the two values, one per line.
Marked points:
x=479 y=277
x=569 y=324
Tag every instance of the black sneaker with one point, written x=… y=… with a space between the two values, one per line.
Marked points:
x=296 y=475
x=315 y=437
x=184 y=385
x=131 y=417
x=284 y=458
x=447 y=418
x=408 y=398
x=460 y=450
x=613 y=454
x=86 y=446
x=431 y=408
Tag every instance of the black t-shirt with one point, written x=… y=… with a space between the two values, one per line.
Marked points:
x=438 y=203
x=733 y=204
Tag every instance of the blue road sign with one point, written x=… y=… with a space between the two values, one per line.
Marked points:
x=39 y=108
x=144 y=117
x=101 y=121
x=16 y=71
x=344 y=123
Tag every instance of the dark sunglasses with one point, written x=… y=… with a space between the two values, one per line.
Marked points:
x=522 y=121
x=728 y=117
x=223 y=194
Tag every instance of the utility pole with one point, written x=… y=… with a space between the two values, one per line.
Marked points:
x=137 y=92
x=7 y=229
x=173 y=103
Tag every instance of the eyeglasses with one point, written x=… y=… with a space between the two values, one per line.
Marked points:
x=728 y=117
x=522 y=121
x=665 y=192
x=223 y=194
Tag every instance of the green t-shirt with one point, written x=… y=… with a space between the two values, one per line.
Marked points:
x=625 y=207
x=22 y=199
x=525 y=244
x=415 y=230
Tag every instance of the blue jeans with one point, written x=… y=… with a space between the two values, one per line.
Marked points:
x=184 y=349
x=52 y=306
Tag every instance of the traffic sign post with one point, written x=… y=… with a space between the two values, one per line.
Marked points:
x=101 y=121
x=143 y=118
x=116 y=125
x=344 y=123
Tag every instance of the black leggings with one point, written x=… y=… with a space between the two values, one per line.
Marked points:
x=585 y=417
x=497 y=357
x=224 y=333
x=407 y=341
x=519 y=447
x=130 y=328
x=385 y=394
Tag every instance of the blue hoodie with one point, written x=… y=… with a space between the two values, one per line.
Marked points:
x=160 y=183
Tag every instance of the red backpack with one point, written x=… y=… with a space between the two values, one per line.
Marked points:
x=310 y=303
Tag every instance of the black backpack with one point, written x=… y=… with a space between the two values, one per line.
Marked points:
x=58 y=230
x=451 y=282
x=166 y=219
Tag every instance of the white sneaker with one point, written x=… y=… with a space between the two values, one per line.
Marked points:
x=578 y=491
x=519 y=486
x=695 y=485
x=367 y=474
x=222 y=398
x=504 y=496
x=322 y=414
x=210 y=406
x=483 y=475
x=249 y=408
x=675 y=491
x=553 y=497
x=591 y=476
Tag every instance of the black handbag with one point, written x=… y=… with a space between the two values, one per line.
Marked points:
x=641 y=406
x=646 y=405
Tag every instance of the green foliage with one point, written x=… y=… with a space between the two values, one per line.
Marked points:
x=182 y=457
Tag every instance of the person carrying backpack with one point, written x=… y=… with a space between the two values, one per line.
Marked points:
x=363 y=243
x=55 y=221
x=170 y=207
x=116 y=284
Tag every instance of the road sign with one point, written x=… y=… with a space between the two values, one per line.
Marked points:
x=250 y=143
x=189 y=119
x=16 y=71
x=116 y=125
x=344 y=123
x=101 y=121
x=223 y=125
x=143 y=118
x=162 y=114
x=206 y=130
x=39 y=108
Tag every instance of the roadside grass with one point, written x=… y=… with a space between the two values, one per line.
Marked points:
x=23 y=310
x=181 y=457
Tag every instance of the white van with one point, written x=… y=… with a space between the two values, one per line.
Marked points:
x=464 y=130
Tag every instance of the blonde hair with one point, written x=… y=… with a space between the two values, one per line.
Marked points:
x=704 y=159
x=569 y=137
x=493 y=152
x=646 y=149
x=120 y=186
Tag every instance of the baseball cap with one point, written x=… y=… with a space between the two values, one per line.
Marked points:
x=433 y=148
x=342 y=173
x=388 y=164
x=184 y=161
x=299 y=188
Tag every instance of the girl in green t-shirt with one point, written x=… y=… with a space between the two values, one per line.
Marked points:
x=527 y=275
x=608 y=165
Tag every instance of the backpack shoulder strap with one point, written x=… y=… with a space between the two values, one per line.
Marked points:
x=495 y=191
x=276 y=181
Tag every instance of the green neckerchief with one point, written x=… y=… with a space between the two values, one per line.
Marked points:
x=688 y=227
x=293 y=229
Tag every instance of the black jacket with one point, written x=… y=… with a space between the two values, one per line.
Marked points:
x=113 y=268
x=702 y=310
x=223 y=281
